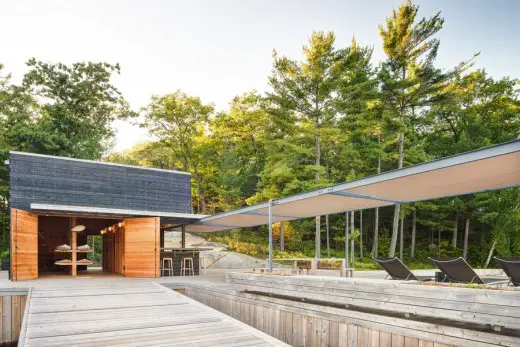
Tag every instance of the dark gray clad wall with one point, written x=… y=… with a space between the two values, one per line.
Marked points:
x=59 y=181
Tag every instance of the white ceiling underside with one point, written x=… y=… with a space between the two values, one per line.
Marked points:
x=491 y=168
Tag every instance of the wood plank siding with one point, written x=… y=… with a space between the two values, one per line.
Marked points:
x=24 y=245
x=142 y=247
x=500 y=308
x=12 y=309
x=63 y=181
x=304 y=323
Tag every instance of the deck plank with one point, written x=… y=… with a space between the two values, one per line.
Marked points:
x=135 y=315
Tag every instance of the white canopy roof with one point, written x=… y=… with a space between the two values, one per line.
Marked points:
x=491 y=168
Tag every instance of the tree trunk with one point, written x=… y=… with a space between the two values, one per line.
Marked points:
x=352 y=258
x=414 y=226
x=455 y=232
x=466 y=235
x=398 y=206
x=401 y=238
x=282 y=237
x=439 y=242
x=490 y=254
x=395 y=230
x=361 y=235
x=199 y=190
x=328 y=236
x=375 y=244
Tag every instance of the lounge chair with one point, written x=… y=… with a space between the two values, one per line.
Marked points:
x=511 y=266
x=396 y=269
x=456 y=269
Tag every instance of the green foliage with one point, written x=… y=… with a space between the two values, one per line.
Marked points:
x=328 y=117
x=77 y=106
x=59 y=110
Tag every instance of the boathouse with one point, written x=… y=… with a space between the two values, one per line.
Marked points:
x=129 y=206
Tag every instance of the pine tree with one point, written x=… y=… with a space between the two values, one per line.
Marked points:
x=409 y=79
x=306 y=91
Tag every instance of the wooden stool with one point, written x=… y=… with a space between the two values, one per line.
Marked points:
x=187 y=265
x=167 y=266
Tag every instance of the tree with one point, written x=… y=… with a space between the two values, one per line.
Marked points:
x=477 y=112
x=239 y=137
x=309 y=96
x=59 y=110
x=307 y=91
x=17 y=127
x=178 y=120
x=78 y=104
x=409 y=79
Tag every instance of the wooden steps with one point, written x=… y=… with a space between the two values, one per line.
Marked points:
x=129 y=314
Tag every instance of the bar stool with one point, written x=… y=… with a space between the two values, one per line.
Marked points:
x=167 y=266
x=187 y=265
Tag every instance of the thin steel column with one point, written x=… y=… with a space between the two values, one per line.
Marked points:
x=183 y=236
x=270 y=235
x=346 y=241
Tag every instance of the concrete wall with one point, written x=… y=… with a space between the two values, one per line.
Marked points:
x=62 y=181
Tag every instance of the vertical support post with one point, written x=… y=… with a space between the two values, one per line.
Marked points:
x=346 y=241
x=270 y=235
x=342 y=269
x=352 y=249
x=401 y=237
x=183 y=236
x=73 y=245
x=282 y=237
x=361 y=235
x=317 y=240
x=161 y=238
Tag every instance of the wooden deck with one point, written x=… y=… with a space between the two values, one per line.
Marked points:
x=120 y=314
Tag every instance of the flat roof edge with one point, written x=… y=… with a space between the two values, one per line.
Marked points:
x=113 y=211
x=98 y=162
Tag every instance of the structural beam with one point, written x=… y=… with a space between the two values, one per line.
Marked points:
x=368 y=197
x=267 y=214
x=220 y=225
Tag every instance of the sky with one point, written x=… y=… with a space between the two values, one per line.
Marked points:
x=217 y=49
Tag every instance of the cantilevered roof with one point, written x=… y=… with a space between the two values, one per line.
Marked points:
x=491 y=168
x=101 y=212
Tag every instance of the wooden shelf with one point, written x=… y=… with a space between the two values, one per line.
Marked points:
x=78 y=263
x=72 y=251
x=64 y=264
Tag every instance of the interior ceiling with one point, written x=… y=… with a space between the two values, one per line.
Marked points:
x=491 y=168
x=93 y=226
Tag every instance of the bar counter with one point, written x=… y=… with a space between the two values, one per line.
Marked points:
x=177 y=254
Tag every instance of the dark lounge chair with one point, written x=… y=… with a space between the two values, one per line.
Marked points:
x=398 y=271
x=456 y=269
x=511 y=266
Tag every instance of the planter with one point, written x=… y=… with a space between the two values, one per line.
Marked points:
x=5 y=264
